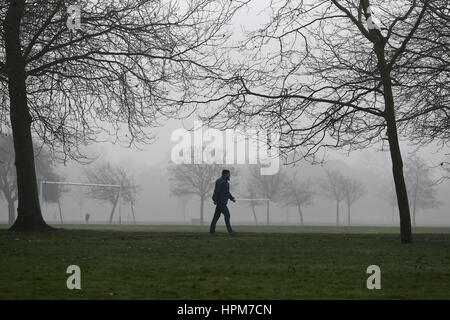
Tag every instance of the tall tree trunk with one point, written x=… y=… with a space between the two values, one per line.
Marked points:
x=400 y=187
x=348 y=214
x=300 y=212
x=202 y=202
x=254 y=215
x=396 y=156
x=132 y=212
x=11 y=211
x=29 y=216
x=268 y=212
x=337 y=212
x=114 y=208
x=60 y=212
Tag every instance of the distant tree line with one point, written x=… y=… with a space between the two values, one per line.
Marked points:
x=292 y=188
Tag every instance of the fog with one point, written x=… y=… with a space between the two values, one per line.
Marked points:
x=155 y=204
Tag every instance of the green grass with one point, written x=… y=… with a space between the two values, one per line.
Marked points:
x=182 y=262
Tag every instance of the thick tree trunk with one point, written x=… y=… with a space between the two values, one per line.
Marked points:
x=254 y=215
x=11 y=211
x=396 y=156
x=400 y=187
x=29 y=216
x=337 y=212
x=300 y=212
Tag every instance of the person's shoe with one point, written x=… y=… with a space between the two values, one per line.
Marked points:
x=213 y=234
x=233 y=233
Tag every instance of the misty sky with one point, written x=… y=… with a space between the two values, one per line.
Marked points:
x=148 y=166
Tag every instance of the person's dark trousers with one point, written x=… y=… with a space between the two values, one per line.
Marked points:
x=221 y=209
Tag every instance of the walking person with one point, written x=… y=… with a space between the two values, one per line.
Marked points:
x=220 y=197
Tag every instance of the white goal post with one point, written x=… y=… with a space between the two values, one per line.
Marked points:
x=79 y=184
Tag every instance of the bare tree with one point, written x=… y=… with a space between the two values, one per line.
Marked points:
x=297 y=192
x=332 y=186
x=430 y=53
x=118 y=74
x=326 y=75
x=427 y=67
x=112 y=175
x=353 y=190
x=194 y=179
x=421 y=187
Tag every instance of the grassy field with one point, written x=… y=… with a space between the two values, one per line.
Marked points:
x=183 y=262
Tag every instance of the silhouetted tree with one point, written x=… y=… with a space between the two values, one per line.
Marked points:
x=353 y=190
x=297 y=192
x=325 y=75
x=112 y=175
x=125 y=67
x=427 y=67
x=421 y=187
x=332 y=186
x=194 y=179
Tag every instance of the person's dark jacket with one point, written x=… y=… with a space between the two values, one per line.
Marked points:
x=222 y=192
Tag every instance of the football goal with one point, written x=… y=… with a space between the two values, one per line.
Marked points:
x=117 y=203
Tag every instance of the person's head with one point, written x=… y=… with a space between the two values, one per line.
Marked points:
x=226 y=174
